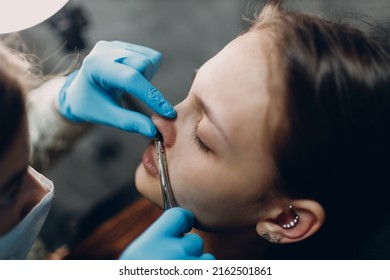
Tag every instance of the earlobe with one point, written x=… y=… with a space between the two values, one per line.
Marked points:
x=293 y=222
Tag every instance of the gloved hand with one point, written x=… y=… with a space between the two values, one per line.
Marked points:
x=91 y=94
x=164 y=239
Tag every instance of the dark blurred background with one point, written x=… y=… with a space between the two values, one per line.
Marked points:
x=96 y=178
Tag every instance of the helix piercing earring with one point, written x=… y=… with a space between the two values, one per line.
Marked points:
x=269 y=238
x=294 y=221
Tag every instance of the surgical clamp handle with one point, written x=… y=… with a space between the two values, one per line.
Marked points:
x=166 y=189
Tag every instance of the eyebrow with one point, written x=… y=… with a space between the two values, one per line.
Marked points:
x=17 y=176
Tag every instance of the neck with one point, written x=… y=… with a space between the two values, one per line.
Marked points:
x=243 y=245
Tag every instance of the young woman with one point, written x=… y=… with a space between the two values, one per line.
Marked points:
x=284 y=135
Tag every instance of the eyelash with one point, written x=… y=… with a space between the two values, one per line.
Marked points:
x=202 y=146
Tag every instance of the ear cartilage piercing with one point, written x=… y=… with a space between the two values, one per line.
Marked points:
x=293 y=222
x=273 y=239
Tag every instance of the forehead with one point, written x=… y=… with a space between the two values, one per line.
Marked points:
x=234 y=83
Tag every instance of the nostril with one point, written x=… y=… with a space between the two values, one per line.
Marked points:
x=167 y=129
x=159 y=136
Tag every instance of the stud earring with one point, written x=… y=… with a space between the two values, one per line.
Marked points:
x=294 y=221
x=269 y=238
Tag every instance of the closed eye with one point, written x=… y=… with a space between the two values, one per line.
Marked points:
x=201 y=145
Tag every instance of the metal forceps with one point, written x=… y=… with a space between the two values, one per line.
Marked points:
x=166 y=190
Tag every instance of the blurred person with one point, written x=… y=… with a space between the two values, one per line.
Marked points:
x=282 y=146
x=70 y=23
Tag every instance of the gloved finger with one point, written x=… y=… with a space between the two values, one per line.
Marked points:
x=206 y=256
x=153 y=55
x=131 y=81
x=125 y=53
x=173 y=222
x=141 y=63
x=192 y=244
x=111 y=47
x=124 y=119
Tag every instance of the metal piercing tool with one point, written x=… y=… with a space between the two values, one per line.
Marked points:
x=166 y=190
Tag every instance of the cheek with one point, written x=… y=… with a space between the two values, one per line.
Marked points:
x=148 y=186
x=215 y=192
x=9 y=218
x=191 y=173
x=30 y=194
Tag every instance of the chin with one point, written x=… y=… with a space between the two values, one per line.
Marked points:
x=148 y=185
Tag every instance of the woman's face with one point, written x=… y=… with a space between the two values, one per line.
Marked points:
x=19 y=190
x=218 y=161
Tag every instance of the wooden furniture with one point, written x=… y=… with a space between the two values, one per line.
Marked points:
x=109 y=239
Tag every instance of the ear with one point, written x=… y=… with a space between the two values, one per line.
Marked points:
x=310 y=214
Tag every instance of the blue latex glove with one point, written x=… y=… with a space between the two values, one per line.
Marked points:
x=164 y=239
x=91 y=94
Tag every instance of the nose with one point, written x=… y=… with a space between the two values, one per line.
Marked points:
x=167 y=128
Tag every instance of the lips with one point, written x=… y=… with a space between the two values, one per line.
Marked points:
x=148 y=162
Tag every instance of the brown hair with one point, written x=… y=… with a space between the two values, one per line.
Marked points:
x=335 y=147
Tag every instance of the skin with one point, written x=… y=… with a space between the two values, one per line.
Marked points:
x=226 y=186
x=18 y=197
